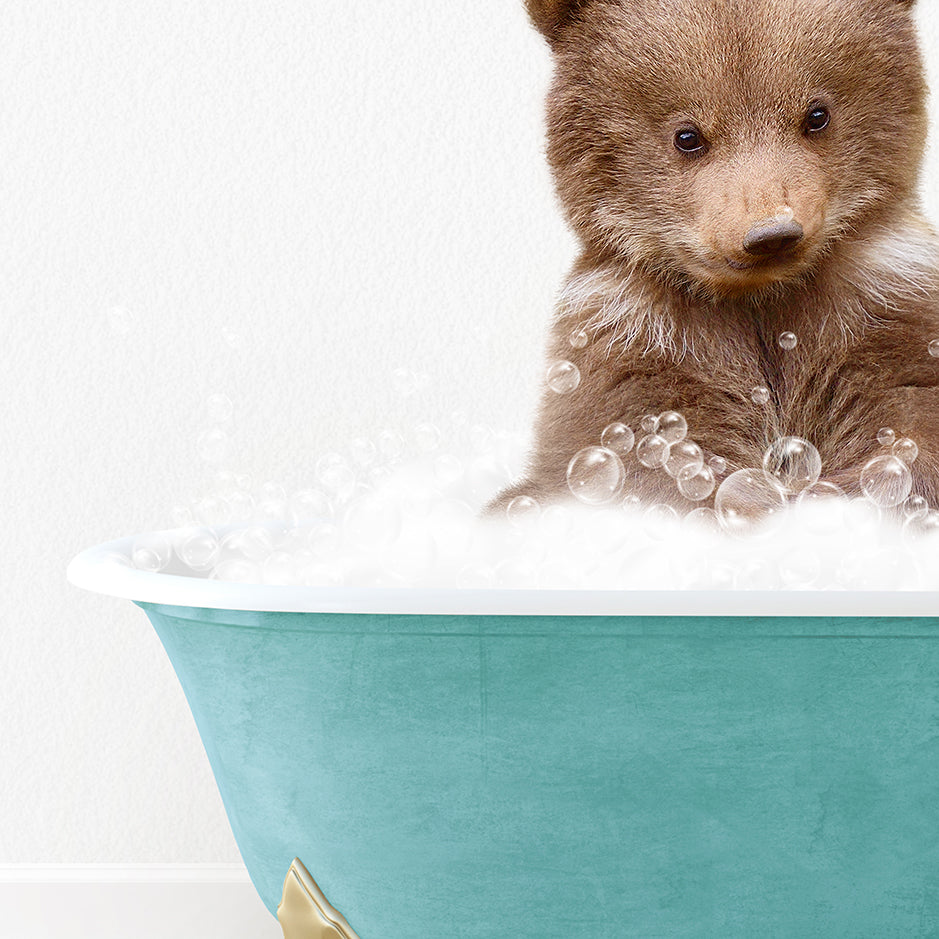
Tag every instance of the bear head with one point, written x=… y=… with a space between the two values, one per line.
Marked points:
x=728 y=146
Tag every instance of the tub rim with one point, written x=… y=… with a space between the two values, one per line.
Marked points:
x=98 y=570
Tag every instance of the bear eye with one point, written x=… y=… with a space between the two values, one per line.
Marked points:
x=690 y=140
x=817 y=119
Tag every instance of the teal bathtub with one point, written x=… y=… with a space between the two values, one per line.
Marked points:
x=539 y=764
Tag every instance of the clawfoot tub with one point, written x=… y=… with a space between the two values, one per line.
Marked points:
x=460 y=764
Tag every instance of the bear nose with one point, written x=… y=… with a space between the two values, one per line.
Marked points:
x=773 y=236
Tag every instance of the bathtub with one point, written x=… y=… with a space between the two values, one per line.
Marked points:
x=401 y=764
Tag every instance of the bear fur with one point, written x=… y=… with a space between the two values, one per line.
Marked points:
x=679 y=313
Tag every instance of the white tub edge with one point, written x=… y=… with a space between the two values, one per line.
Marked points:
x=97 y=570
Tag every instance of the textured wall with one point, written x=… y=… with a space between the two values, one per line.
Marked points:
x=282 y=203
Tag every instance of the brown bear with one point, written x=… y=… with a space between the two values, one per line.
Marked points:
x=738 y=171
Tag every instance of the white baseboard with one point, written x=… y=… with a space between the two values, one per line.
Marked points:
x=131 y=901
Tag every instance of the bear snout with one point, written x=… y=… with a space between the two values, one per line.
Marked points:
x=773 y=236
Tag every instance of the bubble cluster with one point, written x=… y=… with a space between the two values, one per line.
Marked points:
x=682 y=456
x=401 y=508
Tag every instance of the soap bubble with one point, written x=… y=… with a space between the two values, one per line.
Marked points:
x=563 y=377
x=404 y=381
x=579 y=338
x=703 y=519
x=793 y=463
x=696 y=482
x=278 y=568
x=652 y=451
x=182 y=516
x=271 y=510
x=482 y=438
x=760 y=395
x=219 y=408
x=477 y=575
x=825 y=504
x=672 y=426
x=658 y=519
x=363 y=452
x=213 y=511
x=522 y=510
x=427 y=437
x=788 y=341
x=886 y=481
x=272 y=491
x=906 y=450
x=448 y=470
x=684 y=455
x=619 y=438
x=453 y=524
x=517 y=572
x=415 y=553
x=486 y=475
x=916 y=507
x=631 y=502
x=372 y=522
x=336 y=476
x=756 y=573
x=649 y=424
x=747 y=500
x=863 y=518
x=318 y=574
x=254 y=543
x=237 y=570
x=718 y=465
x=884 y=569
x=919 y=526
x=324 y=540
x=800 y=568
x=886 y=436
x=308 y=504
x=595 y=475
x=151 y=552
x=391 y=445
x=198 y=548
x=214 y=445
x=934 y=348
x=225 y=483
x=556 y=521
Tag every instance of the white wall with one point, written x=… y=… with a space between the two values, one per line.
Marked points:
x=286 y=201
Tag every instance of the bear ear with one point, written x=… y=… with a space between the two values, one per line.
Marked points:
x=549 y=16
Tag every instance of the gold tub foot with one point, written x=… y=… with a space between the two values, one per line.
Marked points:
x=304 y=912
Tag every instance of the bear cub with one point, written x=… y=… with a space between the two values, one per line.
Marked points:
x=742 y=177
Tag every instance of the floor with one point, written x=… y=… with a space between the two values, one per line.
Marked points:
x=134 y=911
